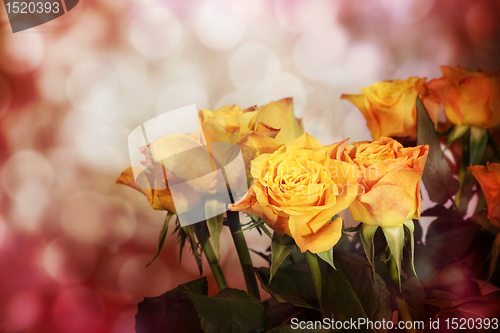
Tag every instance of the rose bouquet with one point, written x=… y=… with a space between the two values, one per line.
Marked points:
x=379 y=275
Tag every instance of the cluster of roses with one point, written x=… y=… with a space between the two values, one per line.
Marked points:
x=378 y=181
x=470 y=100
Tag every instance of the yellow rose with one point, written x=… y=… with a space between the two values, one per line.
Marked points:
x=469 y=98
x=231 y=123
x=299 y=188
x=391 y=181
x=489 y=179
x=255 y=130
x=389 y=106
x=227 y=124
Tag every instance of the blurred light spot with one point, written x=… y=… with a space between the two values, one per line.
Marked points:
x=95 y=142
x=24 y=309
x=154 y=31
x=420 y=68
x=3 y=232
x=136 y=281
x=132 y=71
x=480 y=22
x=5 y=95
x=355 y=125
x=409 y=10
x=361 y=63
x=21 y=52
x=316 y=52
x=78 y=310
x=81 y=216
x=25 y=167
x=252 y=64
x=220 y=24
x=62 y=259
x=29 y=207
x=125 y=323
x=120 y=221
x=242 y=98
x=92 y=87
x=314 y=125
x=302 y=15
x=91 y=217
x=287 y=85
x=49 y=79
x=179 y=95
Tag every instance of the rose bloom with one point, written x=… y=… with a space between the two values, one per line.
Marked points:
x=299 y=188
x=469 y=98
x=391 y=181
x=489 y=179
x=251 y=129
x=389 y=107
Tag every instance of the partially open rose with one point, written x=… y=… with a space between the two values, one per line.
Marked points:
x=469 y=98
x=391 y=181
x=185 y=159
x=299 y=188
x=489 y=179
x=389 y=106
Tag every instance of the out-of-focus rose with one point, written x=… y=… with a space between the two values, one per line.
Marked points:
x=469 y=98
x=229 y=124
x=389 y=106
x=391 y=179
x=489 y=178
x=299 y=188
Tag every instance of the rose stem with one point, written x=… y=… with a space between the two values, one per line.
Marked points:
x=206 y=247
x=404 y=312
x=233 y=219
x=317 y=278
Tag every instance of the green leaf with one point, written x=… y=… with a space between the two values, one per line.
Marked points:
x=327 y=256
x=190 y=235
x=353 y=295
x=410 y=229
x=172 y=311
x=188 y=309
x=266 y=231
x=281 y=246
x=395 y=237
x=457 y=133
x=437 y=175
x=478 y=141
x=485 y=306
x=353 y=229
x=291 y=284
x=442 y=211
x=230 y=311
x=495 y=252
x=367 y=235
x=481 y=218
x=215 y=222
x=278 y=313
x=163 y=234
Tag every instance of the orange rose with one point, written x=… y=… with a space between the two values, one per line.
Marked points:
x=391 y=180
x=299 y=188
x=489 y=179
x=389 y=106
x=469 y=98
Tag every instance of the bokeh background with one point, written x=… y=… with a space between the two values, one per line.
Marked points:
x=73 y=244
